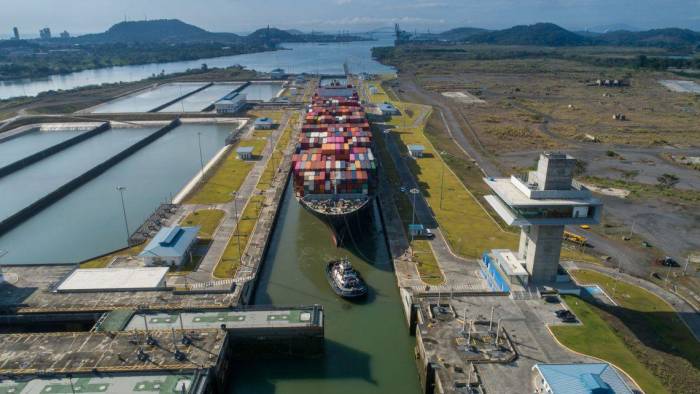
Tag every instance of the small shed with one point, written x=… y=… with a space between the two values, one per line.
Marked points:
x=245 y=152
x=373 y=90
x=388 y=109
x=264 y=123
x=416 y=150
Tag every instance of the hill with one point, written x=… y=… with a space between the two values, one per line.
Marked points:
x=664 y=38
x=161 y=30
x=459 y=34
x=541 y=34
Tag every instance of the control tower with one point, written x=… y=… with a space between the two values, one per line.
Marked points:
x=541 y=206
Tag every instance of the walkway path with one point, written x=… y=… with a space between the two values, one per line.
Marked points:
x=685 y=311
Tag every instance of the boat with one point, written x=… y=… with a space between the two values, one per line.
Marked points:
x=344 y=280
x=334 y=168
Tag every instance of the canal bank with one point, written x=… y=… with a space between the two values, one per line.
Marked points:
x=367 y=349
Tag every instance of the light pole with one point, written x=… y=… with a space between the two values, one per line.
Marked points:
x=414 y=191
x=201 y=157
x=442 y=178
x=238 y=230
x=121 y=190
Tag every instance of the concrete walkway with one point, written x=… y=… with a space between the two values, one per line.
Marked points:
x=685 y=311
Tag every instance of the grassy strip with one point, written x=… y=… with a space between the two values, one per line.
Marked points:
x=227 y=177
x=597 y=339
x=227 y=267
x=207 y=219
x=652 y=329
x=101 y=262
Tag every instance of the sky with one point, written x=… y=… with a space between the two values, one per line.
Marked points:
x=89 y=16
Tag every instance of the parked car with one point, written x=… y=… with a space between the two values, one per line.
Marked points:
x=668 y=262
x=552 y=299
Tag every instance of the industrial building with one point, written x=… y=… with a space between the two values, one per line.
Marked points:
x=389 y=110
x=171 y=246
x=230 y=104
x=598 y=378
x=114 y=279
x=541 y=206
x=245 y=152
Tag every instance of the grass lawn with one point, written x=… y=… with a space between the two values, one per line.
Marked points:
x=652 y=329
x=229 y=263
x=227 y=176
x=596 y=338
x=207 y=219
x=101 y=262
x=427 y=265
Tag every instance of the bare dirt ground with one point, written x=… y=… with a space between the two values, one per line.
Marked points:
x=532 y=105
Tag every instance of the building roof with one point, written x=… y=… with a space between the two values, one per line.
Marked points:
x=244 y=149
x=387 y=107
x=122 y=278
x=507 y=190
x=171 y=242
x=414 y=147
x=511 y=265
x=263 y=121
x=596 y=378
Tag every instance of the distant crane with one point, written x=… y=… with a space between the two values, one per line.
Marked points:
x=401 y=37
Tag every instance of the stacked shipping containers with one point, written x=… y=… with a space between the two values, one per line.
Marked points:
x=334 y=152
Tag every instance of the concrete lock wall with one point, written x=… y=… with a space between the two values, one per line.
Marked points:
x=46 y=201
x=29 y=160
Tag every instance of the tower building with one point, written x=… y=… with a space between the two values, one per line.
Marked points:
x=541 y=206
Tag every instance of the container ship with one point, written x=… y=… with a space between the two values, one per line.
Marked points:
x=334 y=169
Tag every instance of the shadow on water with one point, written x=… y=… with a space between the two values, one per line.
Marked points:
x=355 y=365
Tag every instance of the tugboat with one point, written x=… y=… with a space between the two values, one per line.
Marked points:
x=344 y=280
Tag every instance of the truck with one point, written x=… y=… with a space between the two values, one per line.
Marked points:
x=420 y=231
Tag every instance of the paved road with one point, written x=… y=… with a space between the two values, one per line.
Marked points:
x=685 y=311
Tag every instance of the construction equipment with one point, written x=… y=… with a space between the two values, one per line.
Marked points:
x=575 y=238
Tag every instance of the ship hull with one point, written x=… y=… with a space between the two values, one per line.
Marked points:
x=349 y=228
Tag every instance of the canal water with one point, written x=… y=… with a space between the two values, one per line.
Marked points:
x=23 y=187
x=16 y=148
x=202 y=99
x=367 y=349
x=148 y=99
x=89 y=221
x=296 y=58
x=262 y=91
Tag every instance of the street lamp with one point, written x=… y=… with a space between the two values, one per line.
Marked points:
x=415 y=192
x=121 y=190
x=442 y=178
x=238 y=230
x=201 y=157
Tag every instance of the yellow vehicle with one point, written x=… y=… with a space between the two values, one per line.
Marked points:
x=574 y=238
x=585 y=226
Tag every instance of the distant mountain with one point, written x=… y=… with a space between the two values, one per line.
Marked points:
x=665 y=38
x=549 y=34
x=545 y=34
x=272 y=34
x=459 y=34
x=294 y=32
x=161 y=30
x=612 y=27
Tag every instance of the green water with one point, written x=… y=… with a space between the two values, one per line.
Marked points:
x=368 y=348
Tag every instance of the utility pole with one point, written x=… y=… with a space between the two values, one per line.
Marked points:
x=442 y=179
x=238 y=230
x=121 y=190
x=201 y=157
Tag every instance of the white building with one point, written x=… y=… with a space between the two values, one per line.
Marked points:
x=170 y=247
x=593 y=378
